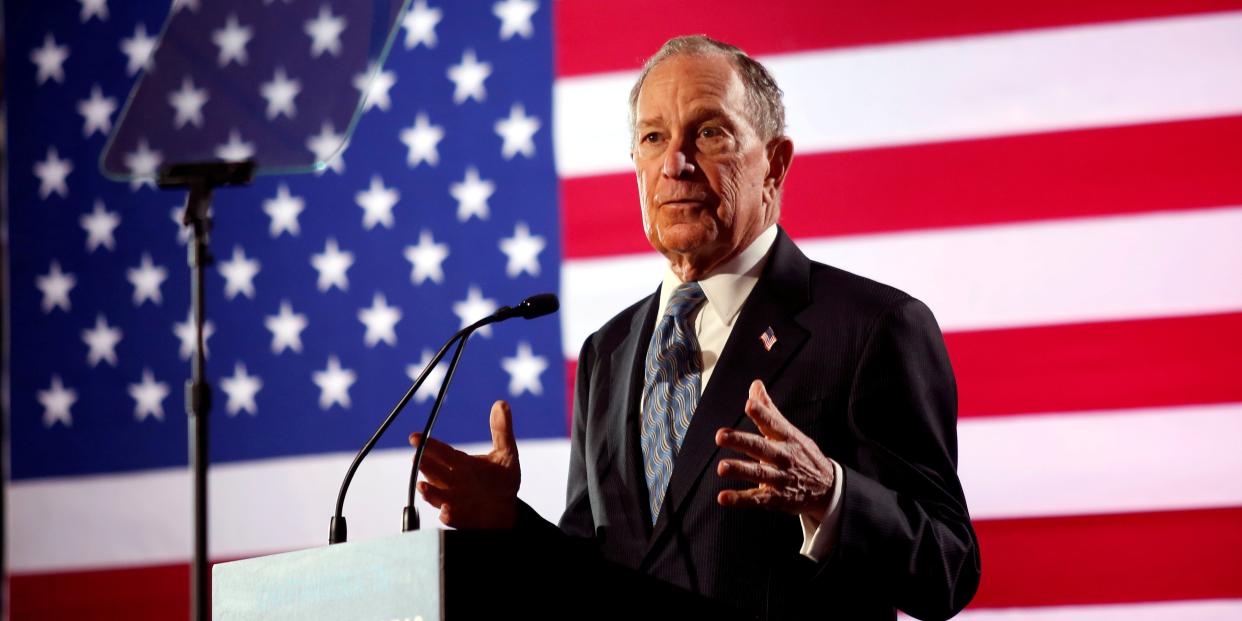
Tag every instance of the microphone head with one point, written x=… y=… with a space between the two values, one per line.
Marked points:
x=538 y=305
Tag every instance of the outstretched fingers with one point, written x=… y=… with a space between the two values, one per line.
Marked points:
x=761 y=410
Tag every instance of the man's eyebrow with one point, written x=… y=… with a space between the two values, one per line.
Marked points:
x=650 y=120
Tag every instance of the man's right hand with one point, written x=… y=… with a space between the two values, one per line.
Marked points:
x=474 y=491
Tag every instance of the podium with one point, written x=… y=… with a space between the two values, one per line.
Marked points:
x=434 y=575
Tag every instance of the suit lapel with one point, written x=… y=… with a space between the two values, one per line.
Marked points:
x=781 y=292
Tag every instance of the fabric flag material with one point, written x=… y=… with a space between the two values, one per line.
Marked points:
x=1059 y=181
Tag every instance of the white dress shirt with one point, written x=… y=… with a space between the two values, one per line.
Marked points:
x=726 y=288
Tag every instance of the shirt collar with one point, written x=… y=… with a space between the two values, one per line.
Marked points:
x=730 y=283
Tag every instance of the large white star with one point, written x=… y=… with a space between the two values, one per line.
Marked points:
x=100 y=225
x=279 y=93
x=239 y=273
x=474 y=308
x=377 y=203
x=56 y=401
x=328 y=147
x=421 y=139
x=192 y=5
x=96 y=112
x=55 y=287
x=146 y=279
x=426 y=259
x=334 y=383
x=381 y=321
x=241 y=389
x=523 y=251
x=524 y=370
x=236 y=149
x=185 y=333
x=188 y=103
x=468 y=77
x=286 y=328
x=93 y=8
x=431 y=385
x=472 y=194
x=515 y=18
x=232 y=40
x=376 y=89
x=50 y=60
x=325 y=32
x=52 y=173
x=332 y=264
x=138 y=49
x=420 y=25
x=148 y=397
x=101 y=342
x=284 y=211
x=143 y=164
x=518 y=132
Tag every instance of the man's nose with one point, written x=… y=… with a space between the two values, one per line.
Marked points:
x=676 y=164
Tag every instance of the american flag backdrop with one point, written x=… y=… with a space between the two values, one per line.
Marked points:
x=1060 y=181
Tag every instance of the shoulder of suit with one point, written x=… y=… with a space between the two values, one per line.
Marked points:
x=621 y=324
x=859 y=294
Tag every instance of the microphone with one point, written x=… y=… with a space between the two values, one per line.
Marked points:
x=534 y=306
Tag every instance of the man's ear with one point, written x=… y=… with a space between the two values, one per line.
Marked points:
x=780 y=156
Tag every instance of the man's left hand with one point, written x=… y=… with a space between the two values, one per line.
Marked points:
x=793 y=474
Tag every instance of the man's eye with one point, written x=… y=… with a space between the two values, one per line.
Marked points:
x=711 y=132
x=651 y=137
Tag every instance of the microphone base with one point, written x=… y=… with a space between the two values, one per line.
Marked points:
x=409 y=519
x=338 y=530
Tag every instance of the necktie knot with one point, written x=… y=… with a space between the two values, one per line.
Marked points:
x=685 y=299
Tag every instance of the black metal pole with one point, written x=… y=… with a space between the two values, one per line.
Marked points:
x=198 y=394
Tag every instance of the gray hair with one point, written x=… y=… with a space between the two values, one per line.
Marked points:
x=767 y=111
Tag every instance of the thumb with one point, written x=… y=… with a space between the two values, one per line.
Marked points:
x=501 y=422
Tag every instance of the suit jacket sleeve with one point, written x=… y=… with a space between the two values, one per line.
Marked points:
x=905 y=529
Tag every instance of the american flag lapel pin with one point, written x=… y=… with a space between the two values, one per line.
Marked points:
x=769 y=338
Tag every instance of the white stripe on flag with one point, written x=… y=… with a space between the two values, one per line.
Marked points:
x=976 y=86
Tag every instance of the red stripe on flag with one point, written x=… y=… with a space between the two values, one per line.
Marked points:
x=140 y=593
x=1092 y=366
x=636 y=29
x=1140 y=168
x=1133 y=557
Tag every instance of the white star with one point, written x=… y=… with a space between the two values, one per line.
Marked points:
x=377 y=203
x=185 y=333
x=284 y=211
x=474 y=308
x=422 y=138
x=524 y=370
x=232 y=40
x=420 y=25
x=143 y=164
x=241 y=388
x=328 y=147
x=52 y=173
x=517 y=131
x=148 y=397
x=139 y=49
x=523 y=251
x=96 y=112
x=325 y=32
x=515 y=18
x=332 y=265
x=94 y=8
x=376 y=89
x=146 y=279
x=50 y=60
x=236 y=149
x=56 y=401
x=279 y=94
x=99 y=225
x=431 y=385
x=101 y=341
x=469 y=76
x=381 y=321
x=239 y=273
x=334 y=383
x=177 y=5
x=55 y=286
x=472 y=194
x=188 y=103
x=426 y=259
x=286 y=328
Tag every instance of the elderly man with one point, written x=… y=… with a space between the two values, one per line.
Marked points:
x=765 y=430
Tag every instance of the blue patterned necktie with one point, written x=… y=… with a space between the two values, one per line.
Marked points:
x=672 y=376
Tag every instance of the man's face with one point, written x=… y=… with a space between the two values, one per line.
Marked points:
x=705 y=180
